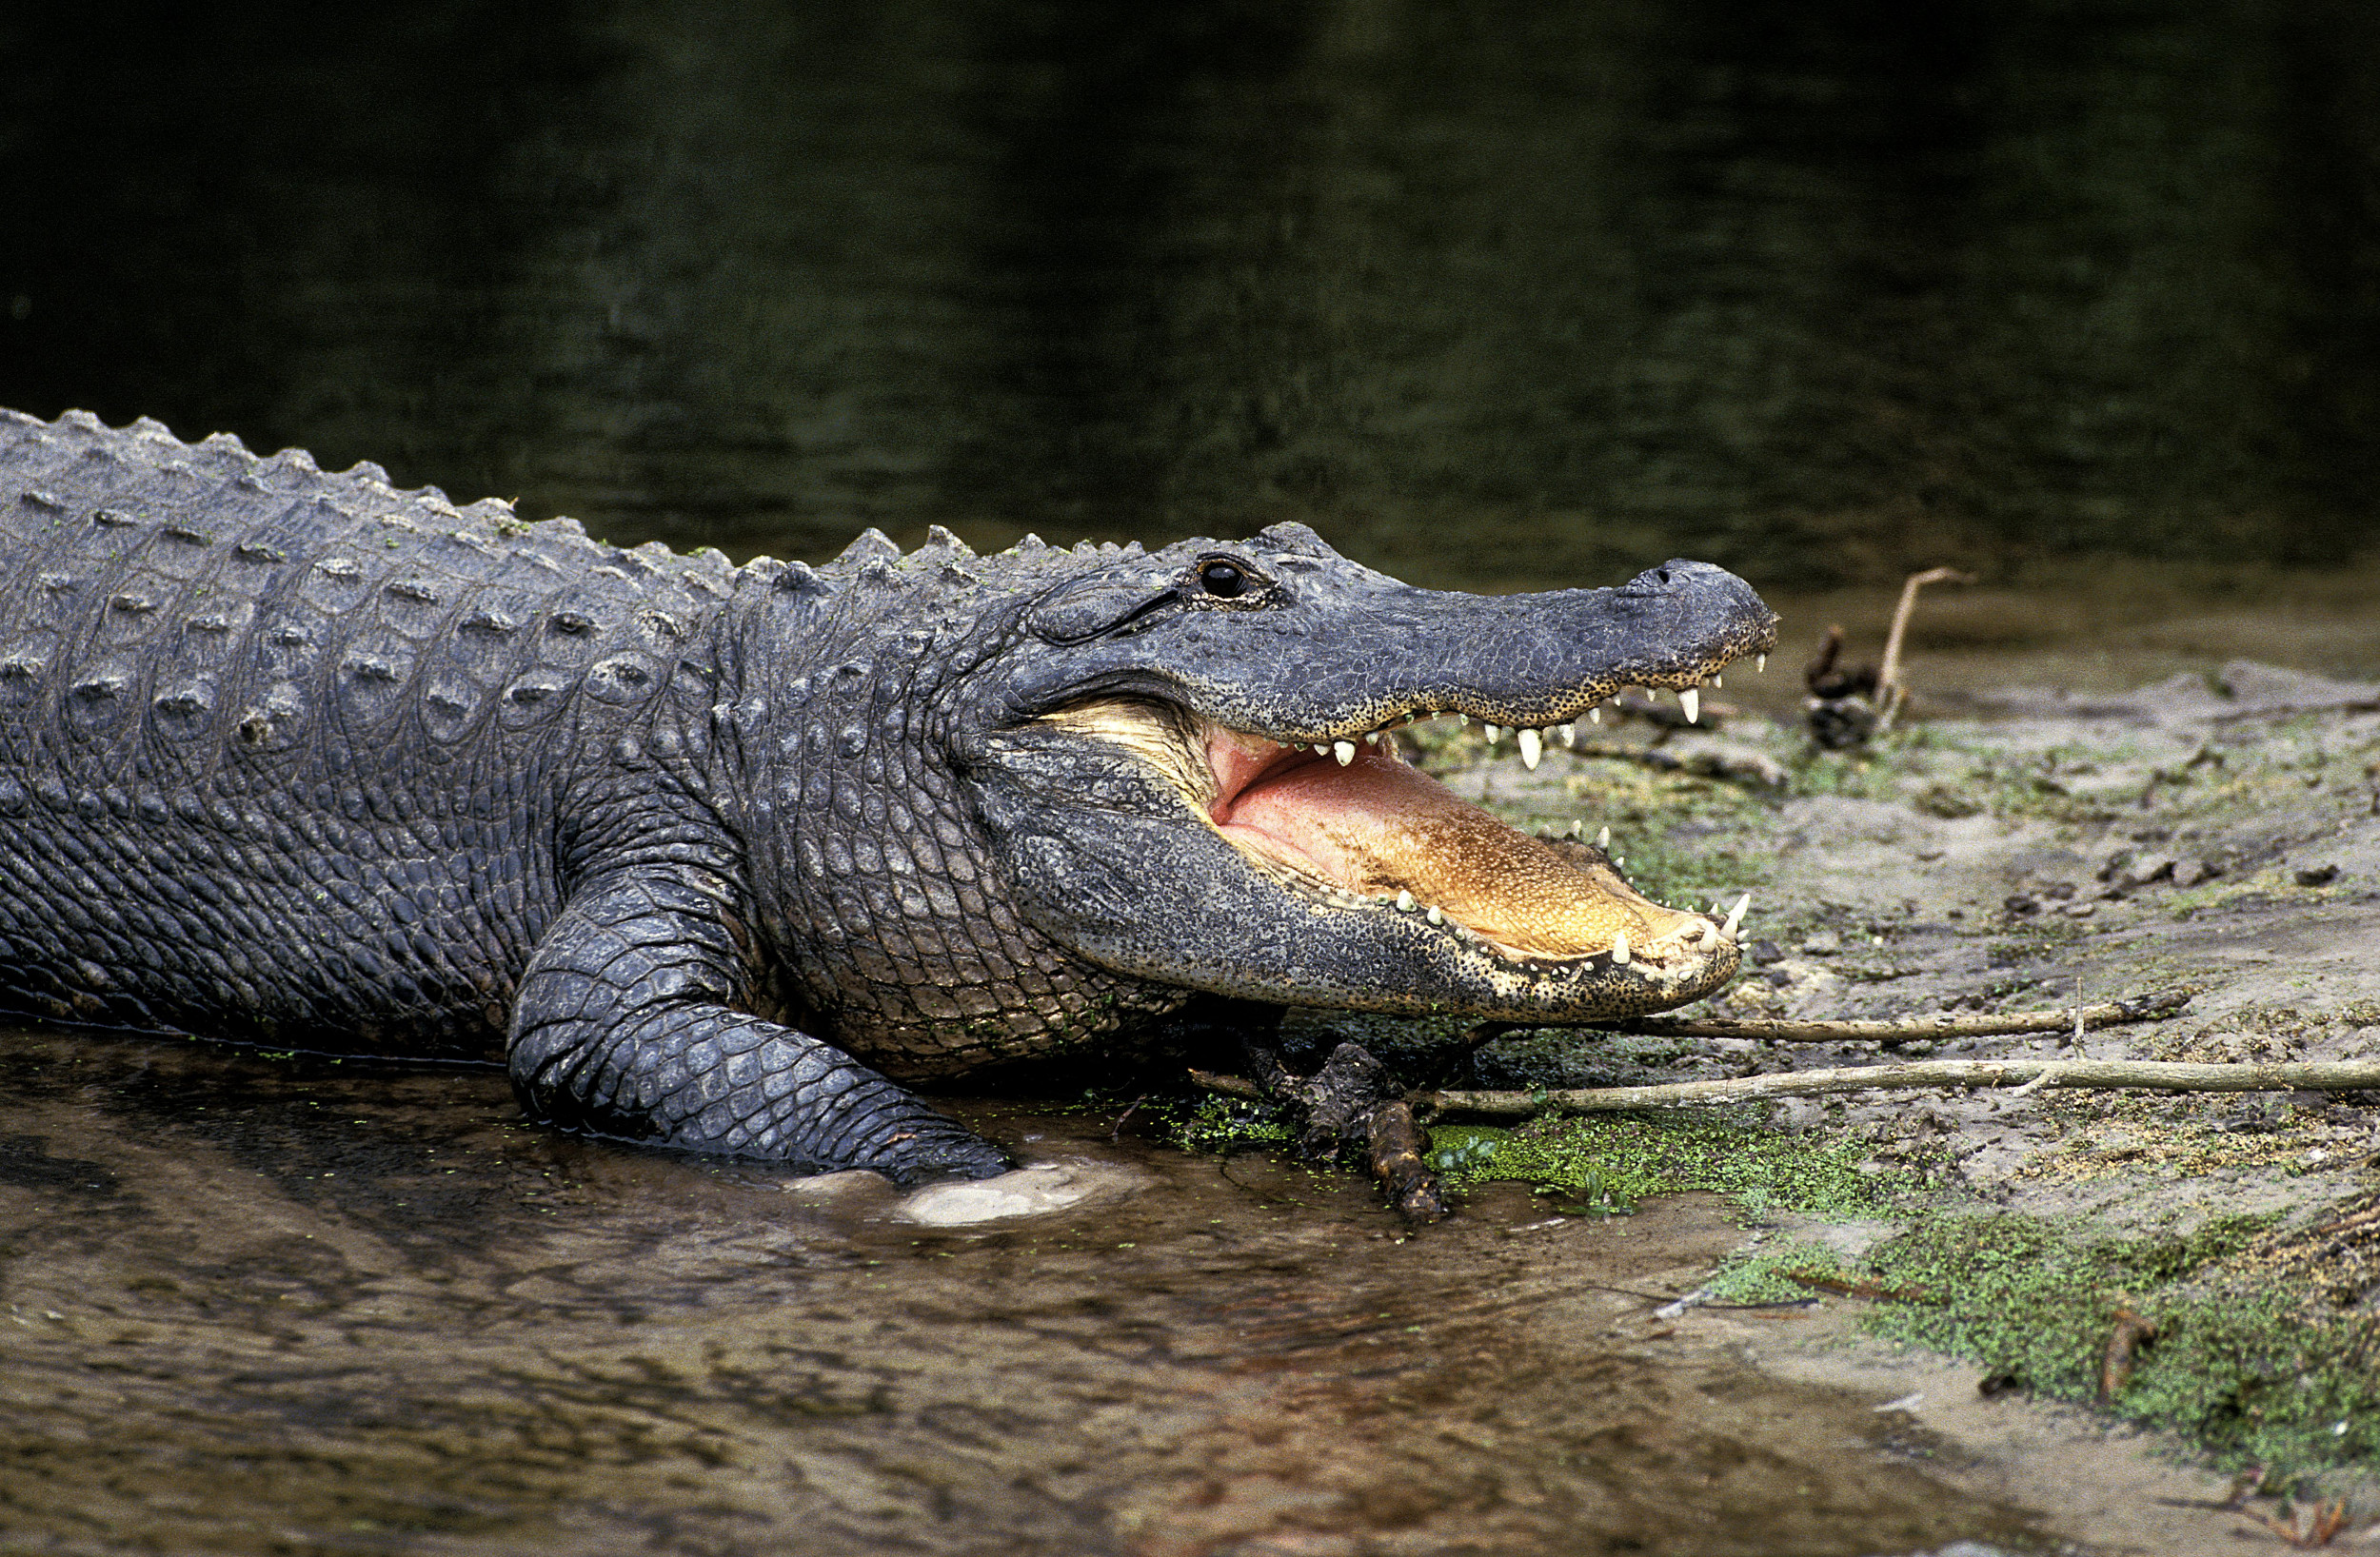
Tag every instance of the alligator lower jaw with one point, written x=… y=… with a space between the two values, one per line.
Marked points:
x=1362 y=829
x=1372 y=828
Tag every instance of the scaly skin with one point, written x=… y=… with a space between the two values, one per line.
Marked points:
x=299 y=758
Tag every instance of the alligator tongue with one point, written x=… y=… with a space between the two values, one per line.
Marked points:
x=1377 y=826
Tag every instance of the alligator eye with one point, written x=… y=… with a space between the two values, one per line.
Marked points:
x=1223 y=579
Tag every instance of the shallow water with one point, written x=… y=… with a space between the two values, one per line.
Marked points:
x=292 y=1305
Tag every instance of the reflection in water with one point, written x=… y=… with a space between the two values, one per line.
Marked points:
x=262 y=1307
x=1803 y=288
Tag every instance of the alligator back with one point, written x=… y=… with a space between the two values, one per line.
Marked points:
x=279 y=748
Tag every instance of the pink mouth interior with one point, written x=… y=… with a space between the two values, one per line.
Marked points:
x=1377 y=826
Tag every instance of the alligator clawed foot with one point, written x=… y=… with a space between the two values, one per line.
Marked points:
x=934 y=1150
x=1354 y=1102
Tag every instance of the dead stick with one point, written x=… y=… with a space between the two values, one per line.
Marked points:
x=1919 y=1076
x=1396 y=1144
x=1889 y=693
x=2145 y=1009
x=1229 y=1085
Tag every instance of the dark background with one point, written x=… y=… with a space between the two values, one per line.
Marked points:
x=1489 y=292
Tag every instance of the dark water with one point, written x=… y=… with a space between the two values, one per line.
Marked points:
x=1496 y=291
x=301 y=1308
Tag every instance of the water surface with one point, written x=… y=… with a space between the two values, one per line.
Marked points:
x=291 y=1305
x=1489 y=292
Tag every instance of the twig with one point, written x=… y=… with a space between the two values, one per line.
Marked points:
x=1229 y=1085
x=1890 y=693
x=1859 y=1289
x=2130 y=1332
x=2306 y=1525
x=2146 y=1008
x=1919 y=1076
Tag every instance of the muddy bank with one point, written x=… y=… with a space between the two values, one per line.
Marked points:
x=2011 y=850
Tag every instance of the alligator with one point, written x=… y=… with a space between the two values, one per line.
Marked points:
x=728 y=860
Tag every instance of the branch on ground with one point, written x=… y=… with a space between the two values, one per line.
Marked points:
x=2146 y=1008
x=1919 y=1076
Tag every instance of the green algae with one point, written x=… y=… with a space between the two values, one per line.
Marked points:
x=1224 y=1125
x=1209 y=1123
x=1614 y=1160
x=1604 y=1162
x=2251 y=1372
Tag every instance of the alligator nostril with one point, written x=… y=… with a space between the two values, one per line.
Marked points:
x=1661 y=574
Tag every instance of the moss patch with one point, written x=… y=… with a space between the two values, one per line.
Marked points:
x=1223 y=1125
x=2254 y=1374
x=1612 y=1160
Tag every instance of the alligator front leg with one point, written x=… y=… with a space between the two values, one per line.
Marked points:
x=625 y=1024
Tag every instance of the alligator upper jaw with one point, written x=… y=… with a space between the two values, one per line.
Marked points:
x=1360 y=829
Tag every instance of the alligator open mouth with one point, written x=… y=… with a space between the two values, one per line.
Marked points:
x=1353 y=824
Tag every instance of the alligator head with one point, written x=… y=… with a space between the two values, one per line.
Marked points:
x=1178 y=759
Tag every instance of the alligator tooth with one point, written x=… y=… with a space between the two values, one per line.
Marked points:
x=1761 y=664
x=1464 y=720
x=1532 y=748
x=1603 y=840
x=1620 y=949
x=1691 y=700
x=1594 y=715
x=1344 y=750
x=1577 y=827
x=1570 y=736
x=1434 y=915
x=1619 y=863
x=1404 y=901
x=1322 y=750
x=1495 y=733
x=1718 y=681
x=1736 y=916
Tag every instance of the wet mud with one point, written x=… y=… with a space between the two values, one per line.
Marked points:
x=260 y=1305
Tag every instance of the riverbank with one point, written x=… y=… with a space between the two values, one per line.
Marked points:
x=2013 y=851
